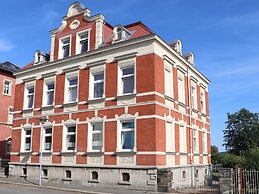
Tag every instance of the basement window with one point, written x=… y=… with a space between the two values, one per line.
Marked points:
x=125 y=177
x=45 y=172
x=94 y=175
x=24 y=171
x=68 y=174
x=184 y=174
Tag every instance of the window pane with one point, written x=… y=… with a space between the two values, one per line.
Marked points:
x=128 y=125
x=98 y=77
x=128 y=85
x=84 y=36
x=97 y=127
x=48 y=130
x=98 y=90
x=127 y=139
x=71 y=142
x=72 y=94
x=48 y=143
x=128 y=71
x=71 y=129
x=66 y=51
x=73 y=82
x=84 y=46
x=50 y=86
x=31 y=90
x=50 y=97
x=28 y=132
x=30 y=101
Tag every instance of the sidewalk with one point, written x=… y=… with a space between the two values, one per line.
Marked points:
x=72 y=187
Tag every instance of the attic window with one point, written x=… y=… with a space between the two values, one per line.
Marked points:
x=120 y=34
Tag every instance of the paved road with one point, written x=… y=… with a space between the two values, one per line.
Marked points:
x=19 y=189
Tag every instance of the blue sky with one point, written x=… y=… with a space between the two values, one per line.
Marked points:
x=224 y=36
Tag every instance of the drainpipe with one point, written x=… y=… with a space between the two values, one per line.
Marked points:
x=190 y=128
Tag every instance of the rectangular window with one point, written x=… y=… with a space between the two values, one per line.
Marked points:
x=195 y=140
x=10 y=115
x=127 y=79
x=83 y=43
x=71 y=138
x=202 y=102
x=27 y=146
x=170 y=141
x=8 y=146
x=30 y=96
x=98 y=80
x=127 y=135
x=7 y=87
x=204 y=142
x=193 y=96
x=183 y=138
x=181 y=88
x=47 y=138
x=168 y=83
x=72 y=89
x=49 y=93
x=97 y=136
x=66 y=47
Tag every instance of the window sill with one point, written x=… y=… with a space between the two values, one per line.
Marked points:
x=46 y=152
x=27 y=110
x=7 y=95
x=93 y=181
x=66 y=179
x=44 y=177
x=25 y=152
x=182 y=104
x=125 y=152
x=203 y=114
x=124 y=183
x=126 y=95
x=47 y=107
x=169 y=98
x=70 y=103
x=94 y=153
x=195 y=110
x=93 y=100
x=69 y=152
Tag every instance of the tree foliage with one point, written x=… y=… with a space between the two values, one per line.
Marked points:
x=215 y=155
x=242 y=132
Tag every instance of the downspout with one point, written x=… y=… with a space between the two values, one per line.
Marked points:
x=190 y=128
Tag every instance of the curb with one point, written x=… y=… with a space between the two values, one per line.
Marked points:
x=53 y=188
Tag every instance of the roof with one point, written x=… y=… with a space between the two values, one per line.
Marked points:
x=5 y=132
x=9 y=67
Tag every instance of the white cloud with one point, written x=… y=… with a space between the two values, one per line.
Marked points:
x=5 y=45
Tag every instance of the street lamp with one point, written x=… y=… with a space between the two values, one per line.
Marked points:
x=43 y=120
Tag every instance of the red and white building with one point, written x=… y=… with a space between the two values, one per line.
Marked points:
x=7 y=90
x=120 y=102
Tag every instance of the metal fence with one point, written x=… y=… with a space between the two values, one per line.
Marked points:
x=245 y=181
x=195 y=178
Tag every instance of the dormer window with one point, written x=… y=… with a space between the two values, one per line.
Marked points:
x=82 y=42
x=120 y=34
x=64 y=50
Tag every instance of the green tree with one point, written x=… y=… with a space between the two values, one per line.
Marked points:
x=242 y=132
x=215 y=156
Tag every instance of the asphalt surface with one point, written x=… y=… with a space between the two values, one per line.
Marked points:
x=19 y=189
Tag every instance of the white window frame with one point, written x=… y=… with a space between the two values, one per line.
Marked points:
x=181 y=87
x=23 y=139
x=10 y=115
x=124 y=64
x=204 y=141
x=66 y=133
x=183 y=138
x=47 y=135
x=168 y=81
x=94 y=71
x=9 y=87
x=70 y=76
x=195 y=140
x=202 y=101
x=26 y=94
x=45 y=91
x=90 y=135
x=194 y=96
x=78 y=40
x=61 y=45
x=120 y=130
x=170 y=136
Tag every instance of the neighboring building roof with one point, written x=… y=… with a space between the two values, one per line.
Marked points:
x=5 y=133
x=9 y=67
